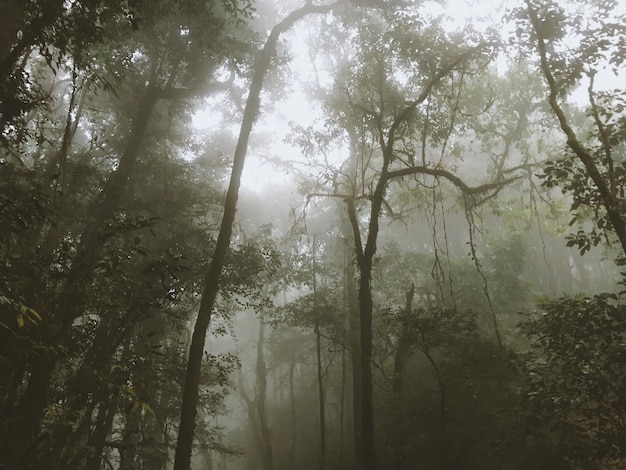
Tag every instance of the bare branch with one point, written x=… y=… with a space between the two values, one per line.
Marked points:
x=458 y=182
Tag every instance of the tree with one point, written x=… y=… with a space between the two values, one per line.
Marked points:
x=383 y=118
x=84 y=171
x=592 y=171
x=577 y=379
x=212 y=278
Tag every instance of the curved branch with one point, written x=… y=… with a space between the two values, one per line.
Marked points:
x=458 y=182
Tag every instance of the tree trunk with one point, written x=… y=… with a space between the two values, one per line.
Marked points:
x=403 y=348
x=354 y=339
x=256 y=408
x=320 y=395
x=294 y=417
x=442 y=408
x=342 y=403
x=402 y=354
x=189 y=405
x=367 y=384
x=364 y=256
x=103 y=425
x=318 y=353
x=131 y=439
x=365 y=251
x=267 y=459
x=70 y=301
x=253 y=417
x=11 y=21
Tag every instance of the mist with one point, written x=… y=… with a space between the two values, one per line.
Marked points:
x=261 y=235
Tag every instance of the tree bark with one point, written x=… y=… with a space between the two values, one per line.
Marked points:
x=253 y=417
x=102 y=427
x=442 y=406
x=367 y=458
x=189 y=405
x=342 y=404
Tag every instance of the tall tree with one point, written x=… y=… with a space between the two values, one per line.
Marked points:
x=384 y=116
x=212 y=278
x=85 y=185
x=567 y=55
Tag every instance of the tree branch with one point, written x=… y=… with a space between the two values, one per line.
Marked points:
x=611 y=204
x=404 y=115
x=458 y=182
x=358 y=244
x=173 y=93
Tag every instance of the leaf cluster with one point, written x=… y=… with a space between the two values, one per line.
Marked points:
x=576 y=368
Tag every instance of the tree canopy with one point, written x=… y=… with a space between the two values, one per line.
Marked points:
x=318 y=235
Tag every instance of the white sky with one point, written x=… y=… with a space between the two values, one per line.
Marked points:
x=259 y=174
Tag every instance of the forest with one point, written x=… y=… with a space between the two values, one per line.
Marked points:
x=312 y=234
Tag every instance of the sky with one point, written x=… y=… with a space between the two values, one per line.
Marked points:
x=295 y=107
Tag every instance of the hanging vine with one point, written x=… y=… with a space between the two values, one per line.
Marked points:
x=469 y=215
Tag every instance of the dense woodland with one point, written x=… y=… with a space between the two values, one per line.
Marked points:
x=427 y=273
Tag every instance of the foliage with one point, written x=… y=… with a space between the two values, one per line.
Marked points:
x=96 y=102
x=569 y=56
x=577 y=377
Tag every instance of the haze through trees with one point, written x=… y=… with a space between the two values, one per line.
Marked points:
x=444 y=182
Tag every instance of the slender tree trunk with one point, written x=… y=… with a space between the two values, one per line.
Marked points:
x=365 y=251
x=442 y=408
x=342 y=403
x=354 y=339
x=294 y=418
x=103 y=425
x=403 y=348
x=189 y=405
x=367 y=384
x=320 y=395
x=256 y=408
x=318 y=353
x=70 y=301
x=261 y=382
x=364 y=256
x=131 y=439
x=402 y=354
x=251 y=409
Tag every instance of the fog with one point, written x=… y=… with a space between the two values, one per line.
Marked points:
x=261 y=235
